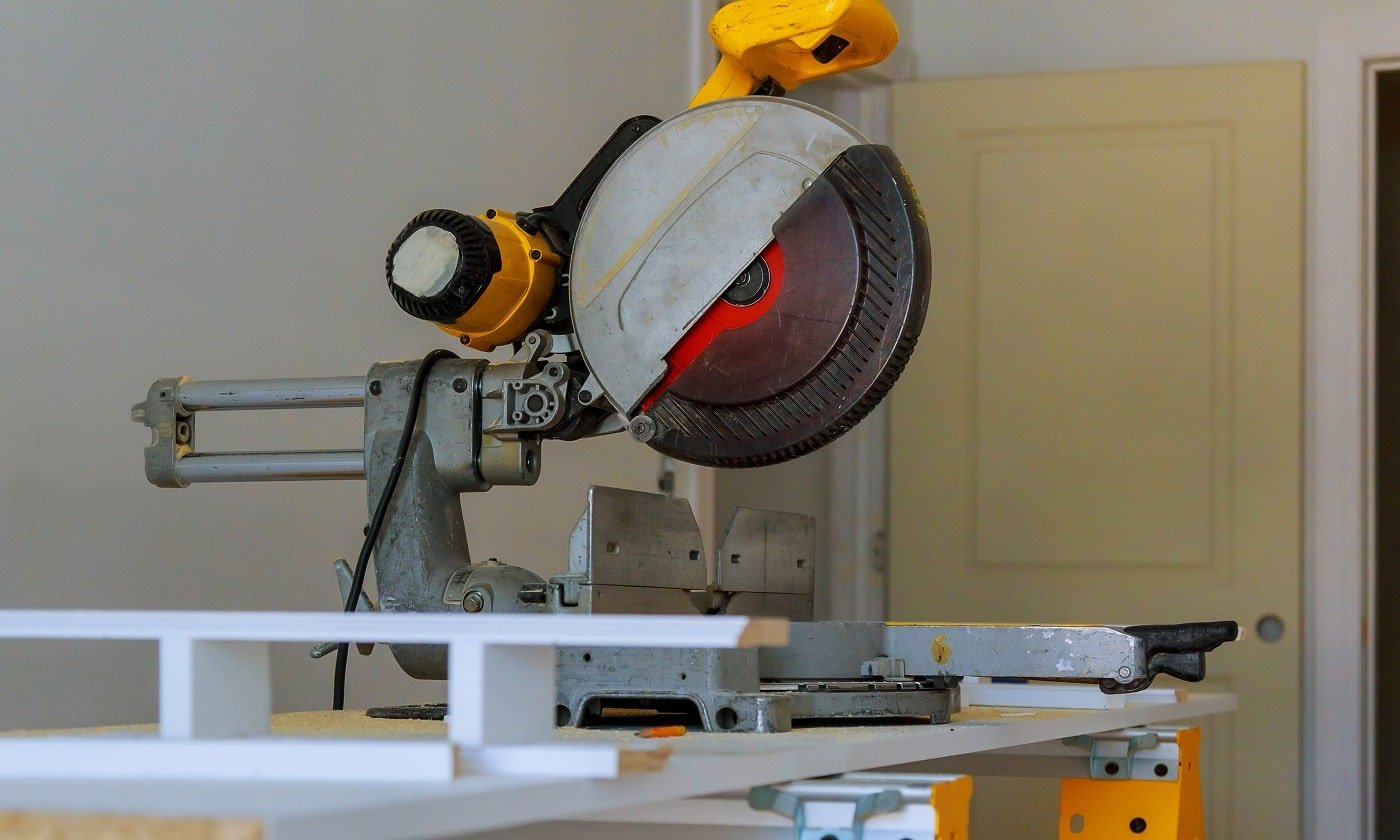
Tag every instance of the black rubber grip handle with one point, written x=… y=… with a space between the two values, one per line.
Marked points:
x=1197 y=636
x=1177 y=650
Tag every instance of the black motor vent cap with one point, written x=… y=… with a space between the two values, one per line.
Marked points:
x=440 y=264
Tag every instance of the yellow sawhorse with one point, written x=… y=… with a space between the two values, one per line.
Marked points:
x=1143 y=783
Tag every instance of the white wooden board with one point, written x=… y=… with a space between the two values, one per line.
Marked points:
x=701 y=764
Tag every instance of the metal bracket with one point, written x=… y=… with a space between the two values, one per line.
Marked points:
x=883 y=666
x=1145 y=754
x=525 y=394
x=344 y=578
x=766 y=564
x=172 y=431
x=632 y=552
x=794 y=807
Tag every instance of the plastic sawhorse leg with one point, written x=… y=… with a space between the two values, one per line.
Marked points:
x=1136 y=795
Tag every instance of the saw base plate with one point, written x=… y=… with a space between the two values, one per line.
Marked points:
x=719 y=691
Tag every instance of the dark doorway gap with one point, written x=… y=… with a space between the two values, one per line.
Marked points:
x=1385 y=633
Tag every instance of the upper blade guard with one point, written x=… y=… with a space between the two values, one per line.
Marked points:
x=749 y=280
x=848 y=290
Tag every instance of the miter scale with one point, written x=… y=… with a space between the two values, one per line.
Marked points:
x=735 y=286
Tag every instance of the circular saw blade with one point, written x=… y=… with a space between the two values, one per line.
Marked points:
x=764 y=288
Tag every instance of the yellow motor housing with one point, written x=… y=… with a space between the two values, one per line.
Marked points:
x=517 y=294
x=484 y=279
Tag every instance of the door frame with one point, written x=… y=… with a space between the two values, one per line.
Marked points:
x=857 y=516
x=1339 y=565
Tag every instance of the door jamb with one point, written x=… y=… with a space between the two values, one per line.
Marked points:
x=858 y=475
x=1339 y=481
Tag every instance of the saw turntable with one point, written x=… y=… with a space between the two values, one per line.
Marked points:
x=734 y=286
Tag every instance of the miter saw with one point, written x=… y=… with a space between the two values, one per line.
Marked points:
x=735 y=286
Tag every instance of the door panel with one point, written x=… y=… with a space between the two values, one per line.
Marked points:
x=1101 y=423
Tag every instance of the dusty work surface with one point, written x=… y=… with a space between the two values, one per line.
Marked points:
x=701 y=763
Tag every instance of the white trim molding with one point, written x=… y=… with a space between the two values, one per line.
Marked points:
x=858 y=479
x=1339 y=563
x=216 y=698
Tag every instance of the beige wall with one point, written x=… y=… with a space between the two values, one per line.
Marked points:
x=209 y=189
x=959 y=38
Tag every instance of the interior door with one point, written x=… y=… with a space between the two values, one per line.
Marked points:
x=1102 y=420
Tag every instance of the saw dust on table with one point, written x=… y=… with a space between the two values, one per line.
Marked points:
x=42 y=825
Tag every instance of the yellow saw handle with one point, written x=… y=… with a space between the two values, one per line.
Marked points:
x=790 y=43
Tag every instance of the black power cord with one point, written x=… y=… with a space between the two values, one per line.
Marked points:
x=376 y=522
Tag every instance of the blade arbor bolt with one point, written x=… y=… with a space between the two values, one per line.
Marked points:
x=750 y=285
x=642 y=428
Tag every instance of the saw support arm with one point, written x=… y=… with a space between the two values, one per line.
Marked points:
x=522 y=399
x=169 y=411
